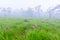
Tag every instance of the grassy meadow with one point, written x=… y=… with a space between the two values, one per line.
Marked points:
x=29 y=29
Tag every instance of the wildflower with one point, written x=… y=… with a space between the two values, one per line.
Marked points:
x=6 y=28
x=33 y=26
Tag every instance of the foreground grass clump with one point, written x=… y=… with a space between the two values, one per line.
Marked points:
x=29 y=29
x=41 y=35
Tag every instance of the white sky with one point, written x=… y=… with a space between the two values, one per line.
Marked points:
x=29 y=3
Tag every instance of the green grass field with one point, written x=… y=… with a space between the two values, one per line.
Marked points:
x=29 y=29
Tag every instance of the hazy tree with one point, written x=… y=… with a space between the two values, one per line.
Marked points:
x=3 y=12
x=29 y=12
x=9 y=11
x=38 y=10
x=22 y=12
x=54 y=12
x=50 y=12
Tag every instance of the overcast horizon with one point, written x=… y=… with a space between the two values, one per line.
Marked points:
x=45 y=4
